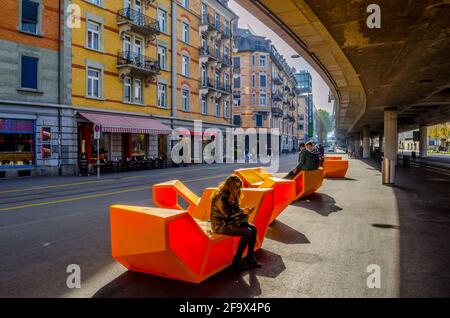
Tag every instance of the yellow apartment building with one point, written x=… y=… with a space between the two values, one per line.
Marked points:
x=137 y=74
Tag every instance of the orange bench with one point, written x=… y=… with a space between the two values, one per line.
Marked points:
x=333 y=158
x=306 y=182
x=335 y=168
x=175 y=243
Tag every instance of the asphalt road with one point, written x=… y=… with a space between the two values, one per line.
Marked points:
x=48 y=223
x=319 y=247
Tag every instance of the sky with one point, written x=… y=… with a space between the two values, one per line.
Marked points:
x=320 y=88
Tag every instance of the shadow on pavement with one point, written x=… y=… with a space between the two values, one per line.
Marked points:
x=321 y=203
x=280 y=232
x=342 y=179
x=424 y=225
x=227 y=283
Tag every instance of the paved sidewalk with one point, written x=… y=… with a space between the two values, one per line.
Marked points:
x=321 y=246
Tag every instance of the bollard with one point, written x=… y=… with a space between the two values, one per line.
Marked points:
x=388 y=171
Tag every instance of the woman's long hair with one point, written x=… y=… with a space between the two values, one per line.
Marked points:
x=226 y=188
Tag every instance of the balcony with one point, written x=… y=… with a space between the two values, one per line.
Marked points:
x=226 y=61
x=210 y=22
x=130 y=20
x=226 y=34
x=132 y=64
x=277 y=80
x=211 y=53
x=277 y=112
x=277 y=96
x=214 y=85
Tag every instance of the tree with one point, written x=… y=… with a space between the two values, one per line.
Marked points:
x=325 y=125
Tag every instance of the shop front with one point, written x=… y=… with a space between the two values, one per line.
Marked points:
x=126 y=143
x=17 y=145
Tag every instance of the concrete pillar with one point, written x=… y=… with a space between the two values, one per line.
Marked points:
x=380 y=143
x=423 y=143
x=390 y=145
x=357 y=145
x=366 y=142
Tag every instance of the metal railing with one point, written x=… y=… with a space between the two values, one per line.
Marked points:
x=137 y=18
x=207 y=19
x=138 y=60
x=214 y=84
x=210 y=51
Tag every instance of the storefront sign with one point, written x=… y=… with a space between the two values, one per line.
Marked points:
x=16 y=126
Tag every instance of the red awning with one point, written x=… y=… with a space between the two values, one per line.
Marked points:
x=127 y=124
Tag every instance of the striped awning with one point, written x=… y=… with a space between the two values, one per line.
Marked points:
x=127 y=124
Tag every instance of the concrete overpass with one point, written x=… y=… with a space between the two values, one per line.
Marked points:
x=385 y=80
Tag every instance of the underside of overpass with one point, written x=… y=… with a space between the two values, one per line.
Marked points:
x=404 y=65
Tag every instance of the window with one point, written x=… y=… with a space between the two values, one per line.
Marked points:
x=301 y=117
x=185 y=99
x=97 y=2
x=253 y=80
x=226 y=109
x=185 y=65
x=237 y=62
x=162 y=95
x=237 y=120
x=162 y=20
x=185 y=3
x=204 y=79
x=217 y=79
x=30 y=16
x=217 y=108
x=93 y=36
x=204 y=13
x=162 y=57
x=262 y=80
x=204 y=42
x=217 y=20
x=237 y=82
x=138 y=91
x=258 y=120
x=253 y=99
x=29 y=72
x=262 y=61
x=262 y=98
x=226 y=81
x=93 y=82
x=253 y=60
x=204 y=105
x=237 y=100
x=17 y=142
x=127 y=89
x=185 y=32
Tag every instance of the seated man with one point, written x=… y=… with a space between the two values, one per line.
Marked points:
x=306 y=162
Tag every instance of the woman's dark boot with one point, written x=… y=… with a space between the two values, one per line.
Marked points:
x=240 y=265
x=252 y=262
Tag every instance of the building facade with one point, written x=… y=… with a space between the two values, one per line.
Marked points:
x=264 y=91
x=37 y=128
x=141 y=62
x=304 y=81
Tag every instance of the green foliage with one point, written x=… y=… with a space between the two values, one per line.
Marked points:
x=324 y=123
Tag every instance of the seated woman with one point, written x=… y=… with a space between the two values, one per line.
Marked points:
x=228 y=218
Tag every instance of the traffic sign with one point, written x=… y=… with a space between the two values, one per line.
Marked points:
x=97 y=131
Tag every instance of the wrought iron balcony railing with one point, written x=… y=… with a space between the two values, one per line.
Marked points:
x=136 y=18
x=132 y=59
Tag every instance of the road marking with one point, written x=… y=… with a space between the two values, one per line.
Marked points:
x=97 y=195
x=55 y=186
